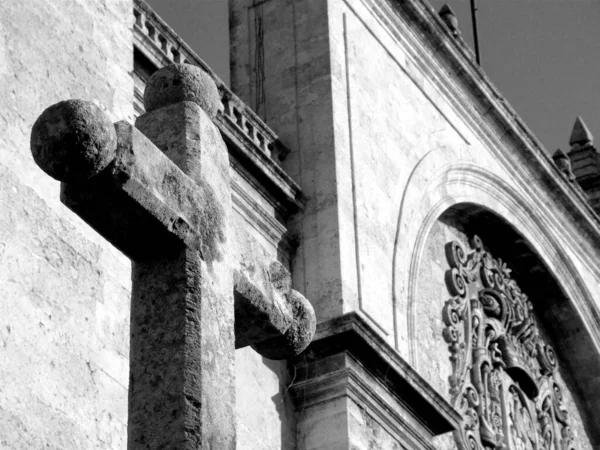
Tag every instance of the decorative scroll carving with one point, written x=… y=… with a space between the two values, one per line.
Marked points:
x=503 y=372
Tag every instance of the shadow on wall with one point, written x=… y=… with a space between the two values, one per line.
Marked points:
x=283 y=402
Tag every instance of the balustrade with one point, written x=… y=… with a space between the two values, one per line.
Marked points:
x=237 y=118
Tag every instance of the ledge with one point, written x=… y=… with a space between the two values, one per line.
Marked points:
x=348 y=358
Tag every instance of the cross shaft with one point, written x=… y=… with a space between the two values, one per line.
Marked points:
x=161 y=194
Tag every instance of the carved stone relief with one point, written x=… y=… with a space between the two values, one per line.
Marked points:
x=502 y=378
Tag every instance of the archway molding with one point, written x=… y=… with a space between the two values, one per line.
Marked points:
x=466 y=183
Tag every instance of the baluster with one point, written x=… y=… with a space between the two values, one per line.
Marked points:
x=261 y=141
x=164 y=44
x=138 y=18
x=151 y=30
x=239 y=119
x=226 y=106
x=250 y=130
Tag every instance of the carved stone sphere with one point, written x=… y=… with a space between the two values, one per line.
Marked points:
x=73 y=140
x=298 y=336
x=182 y=82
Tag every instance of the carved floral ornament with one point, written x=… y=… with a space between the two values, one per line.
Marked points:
x=502 y=380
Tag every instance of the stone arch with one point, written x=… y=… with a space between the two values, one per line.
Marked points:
x=476 y=191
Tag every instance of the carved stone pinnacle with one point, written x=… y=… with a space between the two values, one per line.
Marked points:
x=73 y=140
x=182 y=82
x=449 y=18
x=580 y=135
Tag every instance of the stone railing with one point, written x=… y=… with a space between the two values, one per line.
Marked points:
x=162 y=46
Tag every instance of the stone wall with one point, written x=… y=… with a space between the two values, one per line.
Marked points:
x=64 y=317
x=386 y=134
x=417 y=128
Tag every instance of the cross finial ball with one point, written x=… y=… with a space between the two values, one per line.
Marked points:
x=73 y=140
x=182 y=82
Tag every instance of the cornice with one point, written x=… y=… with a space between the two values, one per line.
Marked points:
x=417 y=412
x=347 y=383
x=448 y=62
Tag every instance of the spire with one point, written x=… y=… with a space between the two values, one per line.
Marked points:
x=580 y=136
x=449 y=18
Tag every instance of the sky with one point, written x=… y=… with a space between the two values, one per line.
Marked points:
x=543 y=55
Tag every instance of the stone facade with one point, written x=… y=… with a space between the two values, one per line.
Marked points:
x=390 y=124
x=364 y=143
x=65 y=314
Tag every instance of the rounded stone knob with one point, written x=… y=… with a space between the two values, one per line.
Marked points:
x=73 y=140
x=182 y=82
x=298 y=336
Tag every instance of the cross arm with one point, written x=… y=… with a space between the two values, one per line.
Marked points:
x=144 y=204
x=147 y=207
x=276 y=320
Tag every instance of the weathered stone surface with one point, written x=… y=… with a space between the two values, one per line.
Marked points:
x=259 y=315
x=73 y=140
x=144 y=197
x=580 y=135
x=202 y=322
x=64 y=321
x=182 y=82
x=390 y=124
x=379 y=166
x=175 y=229
x=449 y=18
x=264 y=407
x=278 y=322
x=297 y=336
x=181 y=376
x=350 y=375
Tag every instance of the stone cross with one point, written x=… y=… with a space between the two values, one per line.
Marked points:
x=160 y=192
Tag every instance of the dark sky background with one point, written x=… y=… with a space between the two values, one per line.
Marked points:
x=543 y=55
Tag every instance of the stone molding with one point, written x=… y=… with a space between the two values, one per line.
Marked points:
x=348 y=358
x=502 y=198
x=434 y=186
x=448 y=62
x=466 y=183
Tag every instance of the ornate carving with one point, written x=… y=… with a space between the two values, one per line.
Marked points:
x=503 y=372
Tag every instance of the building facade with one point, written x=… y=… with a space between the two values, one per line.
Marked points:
x=452 y=264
